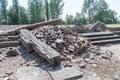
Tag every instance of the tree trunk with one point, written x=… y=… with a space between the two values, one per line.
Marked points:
x=47 y=9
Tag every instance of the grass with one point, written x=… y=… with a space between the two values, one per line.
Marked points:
x=113 y=25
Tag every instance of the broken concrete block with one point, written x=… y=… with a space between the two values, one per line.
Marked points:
x=9 y=44
x=12 y=52
x=105 y=57
x=7 y=78
x=71 y=48
x=87 y=59
x=41 y=48
x=0 y=52
x=66 y=30
x=82 y=65
x=59 y=41
x=65 y=73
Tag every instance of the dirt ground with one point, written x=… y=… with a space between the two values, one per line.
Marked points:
x=102 y=70
x=108 y=69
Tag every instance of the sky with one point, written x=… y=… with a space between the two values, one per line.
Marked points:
x=73 y=6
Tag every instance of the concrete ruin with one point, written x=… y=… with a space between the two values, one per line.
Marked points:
x=62 y=51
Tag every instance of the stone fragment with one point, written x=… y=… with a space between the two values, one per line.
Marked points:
x=39 y=36
x=87 y=59
x=76 y=60
x=105 y=57
x=67 y=30
x=1 y=58
x=82 y=65
x=0 y=52
x=53 y=45
x=68 y=64
x=59 y=41
x=71 y=48
x=12 y=52
x=7 y=78
x=8 y=72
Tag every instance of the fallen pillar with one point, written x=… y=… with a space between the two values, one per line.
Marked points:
x=103 y=37
x=106 y=41
x=30 y=27
x=16 y=37
x=8 y=33
x=95 y=34
x=9 y=44
x=36 y=25
x=44 y=50
x=4 y=39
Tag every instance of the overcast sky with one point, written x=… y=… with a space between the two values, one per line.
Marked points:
x=73 y=6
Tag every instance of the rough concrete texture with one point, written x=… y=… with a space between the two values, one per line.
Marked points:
x=30 y=73
x=65 y=73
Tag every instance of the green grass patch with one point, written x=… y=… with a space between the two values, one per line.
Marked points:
x=113 y=25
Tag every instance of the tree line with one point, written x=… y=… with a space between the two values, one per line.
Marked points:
x=92 y=11
x=43 y=10
x=37 y=11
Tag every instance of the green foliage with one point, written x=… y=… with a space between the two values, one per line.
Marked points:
x=80 y=18
x=56 y=8
x=88 y=8
x=47 y=9
x=39 y=10
x=3 y=11
x=23 y=15
x=36 y=11
x=69 y=19
x=103 y=13
x=16 y=11
x=13 y=13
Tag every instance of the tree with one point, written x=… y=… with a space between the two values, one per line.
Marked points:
x=3 y=11
x=11 y=17
x=69 y=19
x=36 y=11
x=80 y=18
x=16 y=11
x=47 y=9
x=88 y=8
x=0 y=17
x=56 y=8
x=23 y=15
x=103 y=13
x=13 y=13
x=112 y=16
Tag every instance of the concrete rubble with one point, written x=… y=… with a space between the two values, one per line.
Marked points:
x=48 y=51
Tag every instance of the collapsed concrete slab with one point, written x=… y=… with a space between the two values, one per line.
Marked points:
x=29 y=41
x=9 y=44
x=65 y=73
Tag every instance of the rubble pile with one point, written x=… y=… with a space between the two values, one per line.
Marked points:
x=68 y=48
x=62 y=39
x=71 y=45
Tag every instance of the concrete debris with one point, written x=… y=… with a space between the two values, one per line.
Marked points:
x=66 y=49
x=0 y=52
x=7 y=78
x=63 y=39
x=12 y=52
x=68 y=73
x=45 y=51
x=30 y=73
